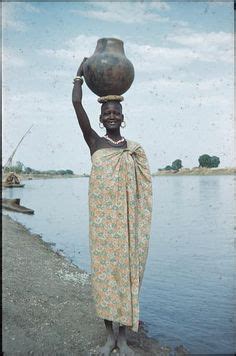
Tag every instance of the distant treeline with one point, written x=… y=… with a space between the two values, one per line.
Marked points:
x=20 y=168
x=203 y=160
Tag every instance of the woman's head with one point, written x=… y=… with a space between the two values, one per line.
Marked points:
x=111 y=115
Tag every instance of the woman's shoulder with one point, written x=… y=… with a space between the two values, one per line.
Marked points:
x=136 y=146
x=131 y=143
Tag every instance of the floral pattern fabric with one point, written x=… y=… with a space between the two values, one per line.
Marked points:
x=120 y=208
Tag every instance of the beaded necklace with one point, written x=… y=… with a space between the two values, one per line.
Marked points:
x=115 y=142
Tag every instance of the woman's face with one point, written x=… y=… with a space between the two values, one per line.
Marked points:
x=111 y=115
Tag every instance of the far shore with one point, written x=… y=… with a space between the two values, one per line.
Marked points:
x=50 y=176
x=195 y=171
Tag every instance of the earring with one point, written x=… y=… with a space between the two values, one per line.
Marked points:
x=101 y=125
x=124 y=124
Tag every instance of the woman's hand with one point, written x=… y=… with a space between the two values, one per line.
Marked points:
x=77 y=90
x=80 y=72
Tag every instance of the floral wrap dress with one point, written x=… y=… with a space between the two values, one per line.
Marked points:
x=120 y=209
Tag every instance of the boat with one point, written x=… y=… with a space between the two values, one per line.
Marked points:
x=14 y=205
x=12 y=185
x=12 y=181
x=6 y=185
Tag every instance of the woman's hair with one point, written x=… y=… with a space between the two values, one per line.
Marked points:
x=111 y=102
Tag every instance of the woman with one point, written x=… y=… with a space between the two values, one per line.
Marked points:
x=120 y=204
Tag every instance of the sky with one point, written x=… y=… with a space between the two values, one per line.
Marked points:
x=179 y=106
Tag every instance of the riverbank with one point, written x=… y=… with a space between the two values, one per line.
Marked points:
x=181 y=172
x=47 y=303
x=197 y=171
x=23 y=177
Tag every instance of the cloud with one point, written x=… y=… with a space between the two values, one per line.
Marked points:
x=203 y=85
x=220 y=3
x=29 y=7
x=159 y=5
x=210 y=47
x=9 y=18
x=179 y=50
x=205 y=39
x=73 y=48
x=214 y=93
x=12 y=58
x=148 y=58
x=10 y=15
x=126 y=12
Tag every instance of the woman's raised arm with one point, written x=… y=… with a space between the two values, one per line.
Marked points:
x=77 y=103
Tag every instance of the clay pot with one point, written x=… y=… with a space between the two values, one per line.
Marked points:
x=108 y=71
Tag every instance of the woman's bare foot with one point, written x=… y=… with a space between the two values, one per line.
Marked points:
x=125 y=350
x=111 y=341
x=108 y=347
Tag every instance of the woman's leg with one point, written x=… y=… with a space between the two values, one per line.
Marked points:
x=122 y=342
x=111 y=342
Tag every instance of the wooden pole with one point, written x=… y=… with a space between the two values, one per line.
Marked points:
x=9 y=161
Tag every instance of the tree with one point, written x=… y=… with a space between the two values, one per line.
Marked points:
x=204 y=161
x=208 y=161
x=177 y=164
x=69 y=171
x=168 y=168
x=61 y=171
x=28 y=170
x=19 y=166
x=215 y=161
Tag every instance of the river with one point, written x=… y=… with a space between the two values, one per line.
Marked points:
x=187 y=296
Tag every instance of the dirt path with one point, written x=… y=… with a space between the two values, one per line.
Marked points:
x=47 y=303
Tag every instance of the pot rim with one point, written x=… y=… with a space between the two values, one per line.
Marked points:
x=110 y=38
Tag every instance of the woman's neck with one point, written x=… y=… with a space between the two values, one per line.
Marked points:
x=115 y=135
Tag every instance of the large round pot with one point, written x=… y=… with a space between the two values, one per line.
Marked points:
x=108 y=71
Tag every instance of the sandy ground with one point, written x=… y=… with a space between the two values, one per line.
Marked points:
x=47 y=303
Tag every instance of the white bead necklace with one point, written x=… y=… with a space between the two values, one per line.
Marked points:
x=115 y=142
